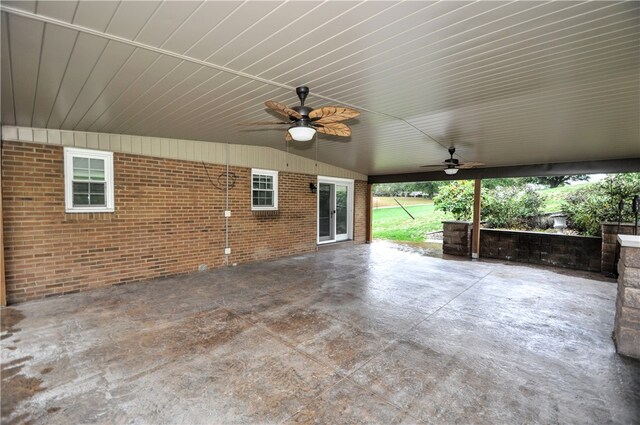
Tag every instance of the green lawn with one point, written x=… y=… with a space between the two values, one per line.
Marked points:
x=555 y=196
x=395 y=224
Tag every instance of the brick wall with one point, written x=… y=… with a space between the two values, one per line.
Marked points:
x=169 y=219
x=573 y=252
x=360 y=212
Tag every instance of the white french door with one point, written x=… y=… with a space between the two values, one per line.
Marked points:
x=335 y=209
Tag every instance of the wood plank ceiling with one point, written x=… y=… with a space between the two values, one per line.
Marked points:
x=507 y=83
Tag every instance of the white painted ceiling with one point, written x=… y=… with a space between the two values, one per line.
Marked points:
x=507 y=83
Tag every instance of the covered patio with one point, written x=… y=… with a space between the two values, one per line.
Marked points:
x=362 y=334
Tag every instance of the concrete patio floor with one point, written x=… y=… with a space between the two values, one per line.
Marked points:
x=365 y=334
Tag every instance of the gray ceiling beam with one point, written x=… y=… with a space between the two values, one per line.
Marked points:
x=627 y=165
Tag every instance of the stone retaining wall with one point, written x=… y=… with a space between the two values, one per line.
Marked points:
x=552 y=249
x=609 y=234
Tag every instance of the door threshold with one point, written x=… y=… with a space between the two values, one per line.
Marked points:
x=334 y=245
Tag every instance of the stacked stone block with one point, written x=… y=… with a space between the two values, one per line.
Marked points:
x=626 y=332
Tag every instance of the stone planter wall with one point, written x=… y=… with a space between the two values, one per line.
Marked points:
x=456 y=238
x=626 y=333
x=551 y=249
x=609 y=234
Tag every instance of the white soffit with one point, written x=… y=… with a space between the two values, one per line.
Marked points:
x=507 y=83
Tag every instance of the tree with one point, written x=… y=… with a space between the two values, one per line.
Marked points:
x=506 y=207
x=589 y=207
x=456 y=197
x=555 y=181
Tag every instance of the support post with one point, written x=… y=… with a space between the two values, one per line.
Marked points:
x=369 y=207
x=3 y=283
x=475 y=240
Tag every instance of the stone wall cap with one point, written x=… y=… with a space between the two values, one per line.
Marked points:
x=629 y=241
x=529 y=232
x=457 y=221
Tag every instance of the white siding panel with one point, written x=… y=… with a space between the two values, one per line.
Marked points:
x=166 y=20
x=10 y=133
x=92 y=141
x=126 y=76
x=80 y=140
x=25 y=42
x=141 y=85
x=189 y=150
x=207 y=17
x=67 y=138
x=112 y=59
x=95 y=14
x=8 y=115
x=131 y=17
x=25 y=5
x=53 y=137
x=60 y=10
x=56 y=51
x=84 y=57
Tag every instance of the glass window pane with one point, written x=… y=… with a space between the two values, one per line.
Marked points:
x=80 y=199
x=79 y=162
x=97 y=175
x=96 y=187
x=96 y=164
x=80 y=174
x=80 y=187
x=97 y=199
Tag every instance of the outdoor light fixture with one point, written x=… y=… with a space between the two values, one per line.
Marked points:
x=312 y=187
x=301 y=131
x=451 y=170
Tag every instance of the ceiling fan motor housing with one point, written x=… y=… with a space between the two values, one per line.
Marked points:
x=302 y=92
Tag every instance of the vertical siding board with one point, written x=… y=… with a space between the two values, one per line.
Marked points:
x=80 y=139
x=53 y=137
x=125 y=143
x=67 y=138
x=136 y=144
x=191 y=150
x=92 y=141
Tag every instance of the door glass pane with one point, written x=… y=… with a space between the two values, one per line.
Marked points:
x=324 y=211
x=341 y=210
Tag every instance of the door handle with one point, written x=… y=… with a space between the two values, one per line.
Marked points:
x=333 y=212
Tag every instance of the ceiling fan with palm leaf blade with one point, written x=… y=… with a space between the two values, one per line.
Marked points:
x=452 y=165
x=304 y=121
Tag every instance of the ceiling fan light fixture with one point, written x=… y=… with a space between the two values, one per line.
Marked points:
x=301 y=131
x=451 y=170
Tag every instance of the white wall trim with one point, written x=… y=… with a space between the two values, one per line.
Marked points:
x=188 y=150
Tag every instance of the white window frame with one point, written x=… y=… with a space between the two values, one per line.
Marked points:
x=274 y=175
x=69 y=154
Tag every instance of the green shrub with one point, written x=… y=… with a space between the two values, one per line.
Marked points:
x=456 y=198
x=512 y=207
x=598 y=203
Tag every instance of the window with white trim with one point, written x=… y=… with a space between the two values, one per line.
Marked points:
x=88 y=178
x=264 y=190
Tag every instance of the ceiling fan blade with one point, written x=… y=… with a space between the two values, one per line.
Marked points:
x=335 y=129
x=330 y=114
x=433 y=166
x=288 y=137
x=470 y=164
x=281 y=109
x=264 y=123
